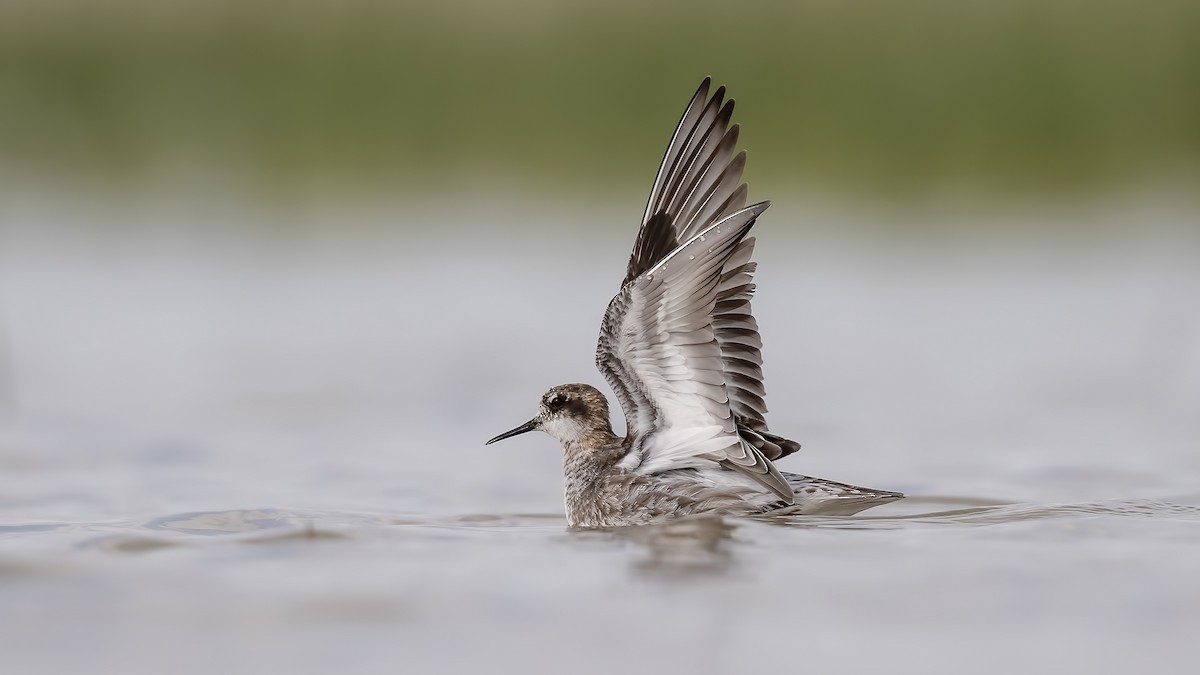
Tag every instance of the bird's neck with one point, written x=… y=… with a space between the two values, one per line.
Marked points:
x=587 y=463
x=599 y=446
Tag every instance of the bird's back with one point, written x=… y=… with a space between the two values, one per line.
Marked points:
x=602 y=494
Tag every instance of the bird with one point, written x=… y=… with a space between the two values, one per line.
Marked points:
x=680 y=349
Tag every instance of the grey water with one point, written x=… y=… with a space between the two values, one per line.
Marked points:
x=228 y=446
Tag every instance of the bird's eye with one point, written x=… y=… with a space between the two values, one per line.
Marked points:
x=558 y=402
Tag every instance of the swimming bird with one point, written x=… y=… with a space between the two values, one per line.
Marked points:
x=680 y=349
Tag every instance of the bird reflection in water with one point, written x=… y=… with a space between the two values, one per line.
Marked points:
x=681 y=549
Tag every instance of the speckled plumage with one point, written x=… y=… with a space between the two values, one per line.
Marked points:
x=680 y=348
x=599 y=492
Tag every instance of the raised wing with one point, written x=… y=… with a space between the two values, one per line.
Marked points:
x=658 y=349
x=698 y=184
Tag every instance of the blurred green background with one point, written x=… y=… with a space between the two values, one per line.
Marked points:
x=880 y=98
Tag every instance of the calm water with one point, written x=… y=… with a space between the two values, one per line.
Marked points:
x=227 y=449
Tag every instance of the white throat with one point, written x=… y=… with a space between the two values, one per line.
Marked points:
x=565 y=430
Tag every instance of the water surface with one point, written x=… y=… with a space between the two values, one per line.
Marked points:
x=232 y=452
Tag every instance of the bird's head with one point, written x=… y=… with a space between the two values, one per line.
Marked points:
x=568 y=412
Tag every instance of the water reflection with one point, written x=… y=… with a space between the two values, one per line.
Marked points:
x=706 y=547
x=684 y=549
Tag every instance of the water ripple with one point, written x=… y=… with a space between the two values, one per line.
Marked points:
x=672 y=541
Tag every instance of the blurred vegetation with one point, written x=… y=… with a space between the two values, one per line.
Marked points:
x=875 y=96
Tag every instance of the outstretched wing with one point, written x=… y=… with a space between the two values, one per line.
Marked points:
x=698 y=184
x=658 y=350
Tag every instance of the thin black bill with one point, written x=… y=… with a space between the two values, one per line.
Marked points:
x=528 y=426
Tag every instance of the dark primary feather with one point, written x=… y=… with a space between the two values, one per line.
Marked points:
x=654 y=241
x=698 y=182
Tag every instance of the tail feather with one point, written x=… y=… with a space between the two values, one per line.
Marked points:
x=771 y=446
x=820 y=497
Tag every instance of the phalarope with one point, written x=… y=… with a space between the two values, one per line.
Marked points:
x=681 y=351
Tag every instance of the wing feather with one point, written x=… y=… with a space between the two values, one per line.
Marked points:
x=698 y=184
x=659 y=351
x=675 y=147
